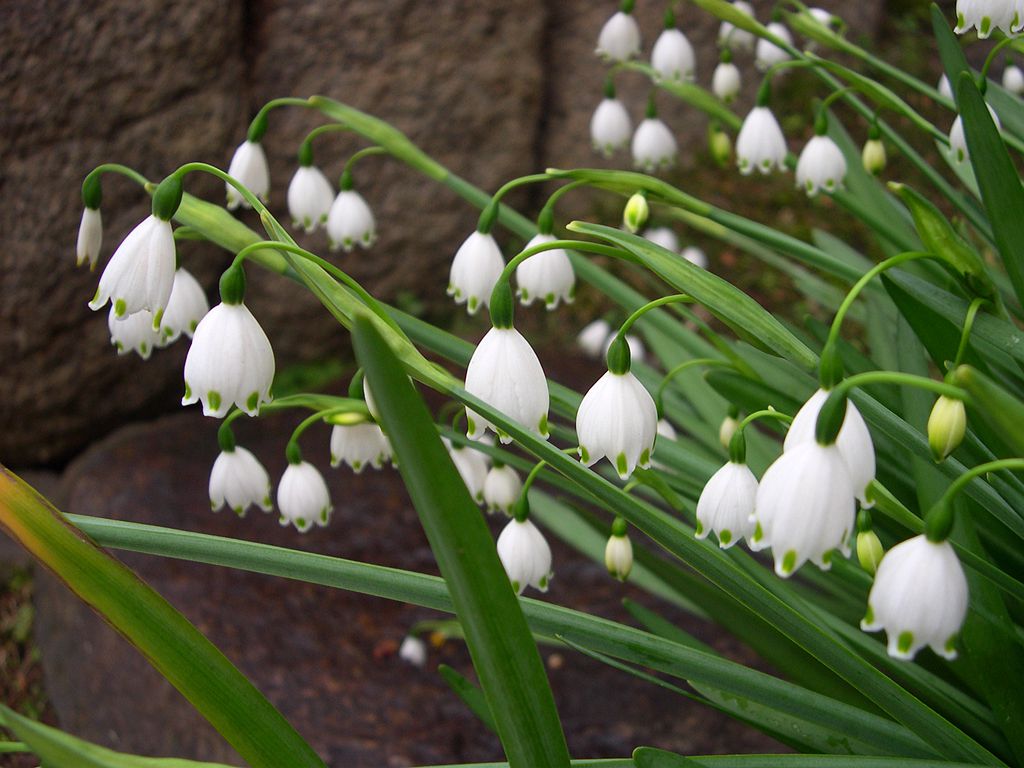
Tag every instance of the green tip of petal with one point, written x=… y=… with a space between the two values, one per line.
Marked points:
x=758 y=533
x=188 y=391
x=869 y=616
x=584 y=454
x=789 y=561
x=645 y=458
x=252 y=402
x=470 y=426
x=621 y=465
x=213 y=398
x=950 y=645
x=905 y=641
x=700 y=529
x=119 y=308
x=725 y=536
x=515 y=586
x=542 y=426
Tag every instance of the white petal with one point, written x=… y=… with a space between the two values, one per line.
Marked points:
x=302 y=497
x=351 y=221
x=239 y=480
x=726 y=505
x=90 y=237
x=547 y=275
x=309 y=197
x=248 y=167
x=654 y=146
x=475 y=269
x=673 y=57
x=620 y=38
x=617 y=419
x=186 y=308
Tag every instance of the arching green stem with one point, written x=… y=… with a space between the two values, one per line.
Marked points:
x=938 y=523
x=346 y=174
x=306 y=147
x=965 y=334
x=92 y=194
x=489 y=214
x=307 y=422
x=678 y=298
x=835 y=95
x=767 y=413
x=983 y=80
x=259 y=121
x=707 y=362
x=738 y=443
x=256 y=204
x=546 y=217
x=900 y=379
x=572 y=245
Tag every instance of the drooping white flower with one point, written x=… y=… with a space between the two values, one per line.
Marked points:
x=505 y=373
x=413 y=650
x=821 y=16
x=350 y=222
x=760 y=145
x=547 y=275
x=726 y=81
x=986 y=16
x=359 y=445
x=768 y=54
x=133 y=333
x=240 y=481
x=90 y=237
x=475 y=270
x=248 y=167
x=610 y=126
x=732 y=37
x=185 y=309
x=958 y=141
x=654 y=147
x=919 y=598
x=619 y=39
x=230 y=362
x=593 y=339
x=309 y=197
x=664 y=237
x=618 y=420
x=303 y=498
x=821 y=166
x=618 y=556
x=854 y=441
x=526 y=556
x=141 y=272
x=502 y=487
x=944 y=88
x=726 y=505
x=695 y=256
x=1013 y=79
x=805 y=507
x=472 y=467
x=673 y=57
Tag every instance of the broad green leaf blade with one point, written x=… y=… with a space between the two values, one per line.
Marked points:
x=504 y=654
x=189 y=661
x=648 y=757
x=470 y=694
x=58 y=749
x=1003 y=411
x=1000 y=186
x=730 y=305
x=950 y=53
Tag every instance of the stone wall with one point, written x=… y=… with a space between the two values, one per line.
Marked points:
x=493 y=89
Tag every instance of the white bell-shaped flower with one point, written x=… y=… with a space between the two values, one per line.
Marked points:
x=547 y=275
x=695 y=256
x=619 y=39
x=505 y=373
x=768 y=54
x=477 y=265
x=654 y=147
x=413 y=651
x=673 y=58
x=359 y=445
x=760 y=145
x=472 y=467
x=185 y=309
x=302 y=497
x=1013 y=79
x=309 y=197
x=919 y=598
x=593 y=339
x=822 y=16
x=958 y=141
x=618 y=556
x=133 y=333
x=90 y=237
x=610 y=126
x=821 y=166
x=248 y=167
x=726 y=505
x=805 y=507
x=239 y=481
x=618 y=420
x=726 y=81
x=664 y=237
x=854 y=441
x=526 y=556
x=732 y=37
x=986 y=16
x=141 y=272
x=502 y=487
x=350 y=222
x=230 y=362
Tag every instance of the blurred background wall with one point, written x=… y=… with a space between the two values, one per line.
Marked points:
x=493 y=89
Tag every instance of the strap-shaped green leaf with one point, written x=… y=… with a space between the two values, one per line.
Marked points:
x=189 y=661
x=503 y=650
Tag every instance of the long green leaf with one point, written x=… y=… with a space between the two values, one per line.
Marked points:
x=189 y=661
x=470 y=695
x=504 y=654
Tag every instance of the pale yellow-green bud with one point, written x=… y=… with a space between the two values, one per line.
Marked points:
x=727 y=430
x=636 y=212
x=869 y=551
x=720 y=146
x=873 y=156
x=618 y=556
x=946 y=426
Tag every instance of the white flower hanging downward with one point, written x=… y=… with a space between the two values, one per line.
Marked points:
x=730 y=36
x=592 y=339
x=505 y=373
x=654 y=147
x=309 y=194
x=673 y=58
x=472 y=467
x=821 y=165
x=610 y=126
x=525 y=554
x=249 y=168
x=919 y=598
x=768 y=54
x=237 y=478
x=90 y=237
x=350 y=221
x=617 y=418
x=185 y=309
x=302 y=495
x=230 y=360
x=958 y=141
x=725 y=80
x=761 y=145
x=1013 y=79
x=359 y=445
x=547 y=275
x=502 y=487
x=620 y=36
x=133 y=333
x=726 y=505
x=475 y=270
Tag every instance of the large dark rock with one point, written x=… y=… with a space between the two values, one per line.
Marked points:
x=326 y=658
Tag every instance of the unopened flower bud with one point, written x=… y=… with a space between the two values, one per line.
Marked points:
x=618 y=553
x=725 y=432
x=946 y=426
x=719 y=145
x=873 y=156
x=635 y=215
x=413 y=650
x=869 y=551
